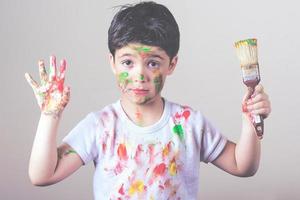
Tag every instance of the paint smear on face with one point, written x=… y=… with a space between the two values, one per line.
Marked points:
x=143 y=51
x=142 y=77
x=136 y=187
x=158 y=83
x=123 y=79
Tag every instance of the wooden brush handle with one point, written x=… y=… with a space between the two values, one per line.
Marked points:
x=257 y=120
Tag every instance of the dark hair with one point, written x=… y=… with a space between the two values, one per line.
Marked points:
x=147 y=23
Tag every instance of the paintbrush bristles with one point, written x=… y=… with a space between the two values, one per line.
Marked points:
x=247 y=52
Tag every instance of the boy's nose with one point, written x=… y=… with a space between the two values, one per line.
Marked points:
x=140 y=75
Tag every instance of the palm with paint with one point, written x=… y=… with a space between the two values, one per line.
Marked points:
x=51 y=94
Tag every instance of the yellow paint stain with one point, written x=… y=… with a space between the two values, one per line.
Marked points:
x=136 y=187
x=173 y=168
x=165 y=151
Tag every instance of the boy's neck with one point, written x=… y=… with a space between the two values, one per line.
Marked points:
x=144 y=114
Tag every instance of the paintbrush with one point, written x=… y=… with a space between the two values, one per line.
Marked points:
x=247 y=54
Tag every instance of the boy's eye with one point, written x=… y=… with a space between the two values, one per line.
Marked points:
x=127 y=63
x=153 y=64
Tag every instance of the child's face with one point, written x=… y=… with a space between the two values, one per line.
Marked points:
x=141 y=71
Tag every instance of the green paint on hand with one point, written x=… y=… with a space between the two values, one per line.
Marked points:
x=177 y=129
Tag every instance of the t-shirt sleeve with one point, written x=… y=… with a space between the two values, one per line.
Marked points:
x=82 y=138
x=212 y=142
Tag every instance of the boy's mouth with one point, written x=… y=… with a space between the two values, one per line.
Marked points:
x=139 y=91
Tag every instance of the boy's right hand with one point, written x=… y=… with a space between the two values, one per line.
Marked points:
x=51 y=94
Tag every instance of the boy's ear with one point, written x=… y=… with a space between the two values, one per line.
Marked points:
x=172 y=65
x=112 y=63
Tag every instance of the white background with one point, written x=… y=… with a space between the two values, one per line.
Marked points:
x=207 y=78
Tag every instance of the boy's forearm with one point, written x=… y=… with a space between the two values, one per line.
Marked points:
x=247 y=150
x=43 y=158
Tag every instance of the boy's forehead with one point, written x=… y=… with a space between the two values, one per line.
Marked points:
x=140 y=48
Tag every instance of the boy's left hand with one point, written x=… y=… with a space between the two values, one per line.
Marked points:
x=258 y=103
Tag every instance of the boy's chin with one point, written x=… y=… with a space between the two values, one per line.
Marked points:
x=141 y=100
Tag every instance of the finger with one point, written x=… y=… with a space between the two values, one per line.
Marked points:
x=259 y=105
x=65 y=97
x=43 y=73
x=257 y=98
x=62 y=69
x=248 y=94
x=258 y=89
x=52 y=73
x=31 y=82
x=264 y=112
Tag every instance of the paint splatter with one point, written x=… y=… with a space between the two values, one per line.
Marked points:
x=138 y=153
x=122 y=152
x=136 y=187
x=173 y=168
x=142 y=77
x=69 y=151
x=177 y=129
x=159 y=170
x=158 y=83
x=122 y=77
x=121 y=190
x=143 y=49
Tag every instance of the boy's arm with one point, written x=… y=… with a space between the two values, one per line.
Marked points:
x=49 y=164
x=52 y=96
x=242 y=159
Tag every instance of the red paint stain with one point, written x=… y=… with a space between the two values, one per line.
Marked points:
x=118 y=169
x=138 y=153
x=186 y=114
x=151 y=153
x=122 y=152
x=159 y=170
x=121 y=190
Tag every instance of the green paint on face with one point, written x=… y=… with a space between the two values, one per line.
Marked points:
x=142 y=77
x=143 y=49
x=123 y=76
x=177 y=129
x=158 y=83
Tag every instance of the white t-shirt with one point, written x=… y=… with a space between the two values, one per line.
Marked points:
x=158 y=162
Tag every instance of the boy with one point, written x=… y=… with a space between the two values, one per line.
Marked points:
x=143 y=146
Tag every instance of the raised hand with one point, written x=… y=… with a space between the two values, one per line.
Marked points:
x=52 y=96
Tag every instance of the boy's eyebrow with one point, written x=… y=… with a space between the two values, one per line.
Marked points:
x=156 y=56
x=150 y=55
x=125 y=54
